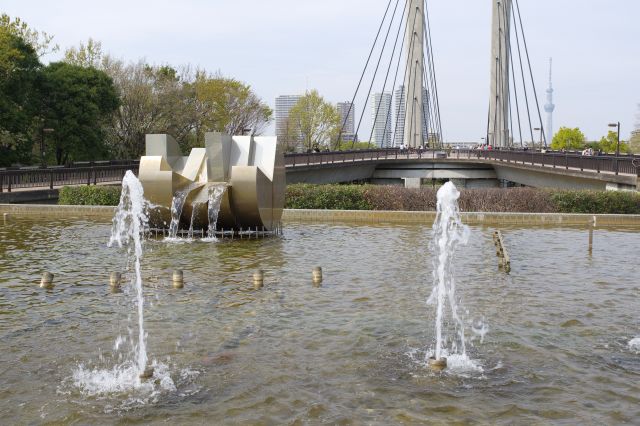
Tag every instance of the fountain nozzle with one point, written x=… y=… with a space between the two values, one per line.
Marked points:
x=147 y=373
x=437 y=364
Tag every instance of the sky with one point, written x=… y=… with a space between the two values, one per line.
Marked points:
x=290 y=46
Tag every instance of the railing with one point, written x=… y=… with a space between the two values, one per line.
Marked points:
x=77 y=174
x=368 y=155
x=559 y=160
x=556 y=160
x=111 y=172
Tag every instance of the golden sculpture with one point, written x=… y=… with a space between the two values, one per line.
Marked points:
x=251 y=168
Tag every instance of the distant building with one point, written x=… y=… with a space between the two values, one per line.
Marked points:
x=400 y=115
x=381 y=117
x=347 y=121
x=283 y=107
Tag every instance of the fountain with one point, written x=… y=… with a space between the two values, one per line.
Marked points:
x=129 y=224
x=234 y=183
x=449 y=232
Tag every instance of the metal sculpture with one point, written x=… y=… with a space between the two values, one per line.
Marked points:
x=250 y=168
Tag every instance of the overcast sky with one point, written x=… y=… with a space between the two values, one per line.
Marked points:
x=289 y=46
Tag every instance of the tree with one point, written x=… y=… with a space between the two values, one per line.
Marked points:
x=634 y=142
x=569 y=139
x=86 y=55
x=317 y=121
x=41 y=42
x=76 y=103
x=609 y=144
x=19 y=66
x=228 y=105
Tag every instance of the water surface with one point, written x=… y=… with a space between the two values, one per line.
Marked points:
x=350 y=352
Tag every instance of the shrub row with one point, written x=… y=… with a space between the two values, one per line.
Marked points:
x=396 y=198
x=513 y=200
x=89 y=196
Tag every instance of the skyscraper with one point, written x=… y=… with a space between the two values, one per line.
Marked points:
x=347 y=121
x=400 y=116
x=550 y=106
x=381 y=117
x=283 y=107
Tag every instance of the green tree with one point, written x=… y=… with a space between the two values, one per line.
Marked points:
x=634 y=142
x=41 y=42
x=228 y=105
x=569 y=139
x=76 y=103
x=19 y=66
x=87 y=55
x=315 y=120
x=609 y=144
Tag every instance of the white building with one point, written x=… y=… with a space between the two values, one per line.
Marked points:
x=400 y=116
x=347 y=121
x=381 y=117
x=283 y=107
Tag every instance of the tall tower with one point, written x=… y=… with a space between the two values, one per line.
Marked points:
x=414 y=75
x=550 y=106
x=381 y=116
x=498 y=131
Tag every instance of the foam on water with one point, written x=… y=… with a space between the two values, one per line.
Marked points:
x=634 y=344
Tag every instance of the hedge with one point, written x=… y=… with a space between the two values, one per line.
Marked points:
x=512 y=200
x=89 y=195
x=397 y=198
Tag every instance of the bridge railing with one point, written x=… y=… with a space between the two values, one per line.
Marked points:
x=78 y=174
x=113 y=171
x=559 y=160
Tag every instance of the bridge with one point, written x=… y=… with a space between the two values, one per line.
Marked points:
x=467 y=168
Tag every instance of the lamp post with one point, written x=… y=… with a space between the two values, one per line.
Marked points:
x=617 y=125
x=538 y=129
x=45 y=130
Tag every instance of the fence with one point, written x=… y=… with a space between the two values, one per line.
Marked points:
x=51 y=177
x=111 y=172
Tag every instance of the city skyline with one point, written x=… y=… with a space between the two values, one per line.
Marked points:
x=326 y=61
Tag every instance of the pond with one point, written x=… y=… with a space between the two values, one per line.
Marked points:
x=551 y=342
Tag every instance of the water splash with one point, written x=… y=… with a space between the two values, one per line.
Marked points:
x=129 y=224
x=177 y=204
x=634 y=345
x=449 y=232
x=215 y=199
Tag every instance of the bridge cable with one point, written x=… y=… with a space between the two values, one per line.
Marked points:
x=533 y=83
x=376 y=71
x=524 y=83
x=386 y=78
x=433 y=71
x=395 y=78
x=362 y=76
x=515 y=91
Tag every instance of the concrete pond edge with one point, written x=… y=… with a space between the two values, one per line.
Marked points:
x=353 y=216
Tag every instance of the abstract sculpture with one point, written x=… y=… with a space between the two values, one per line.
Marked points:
x=246 y=173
